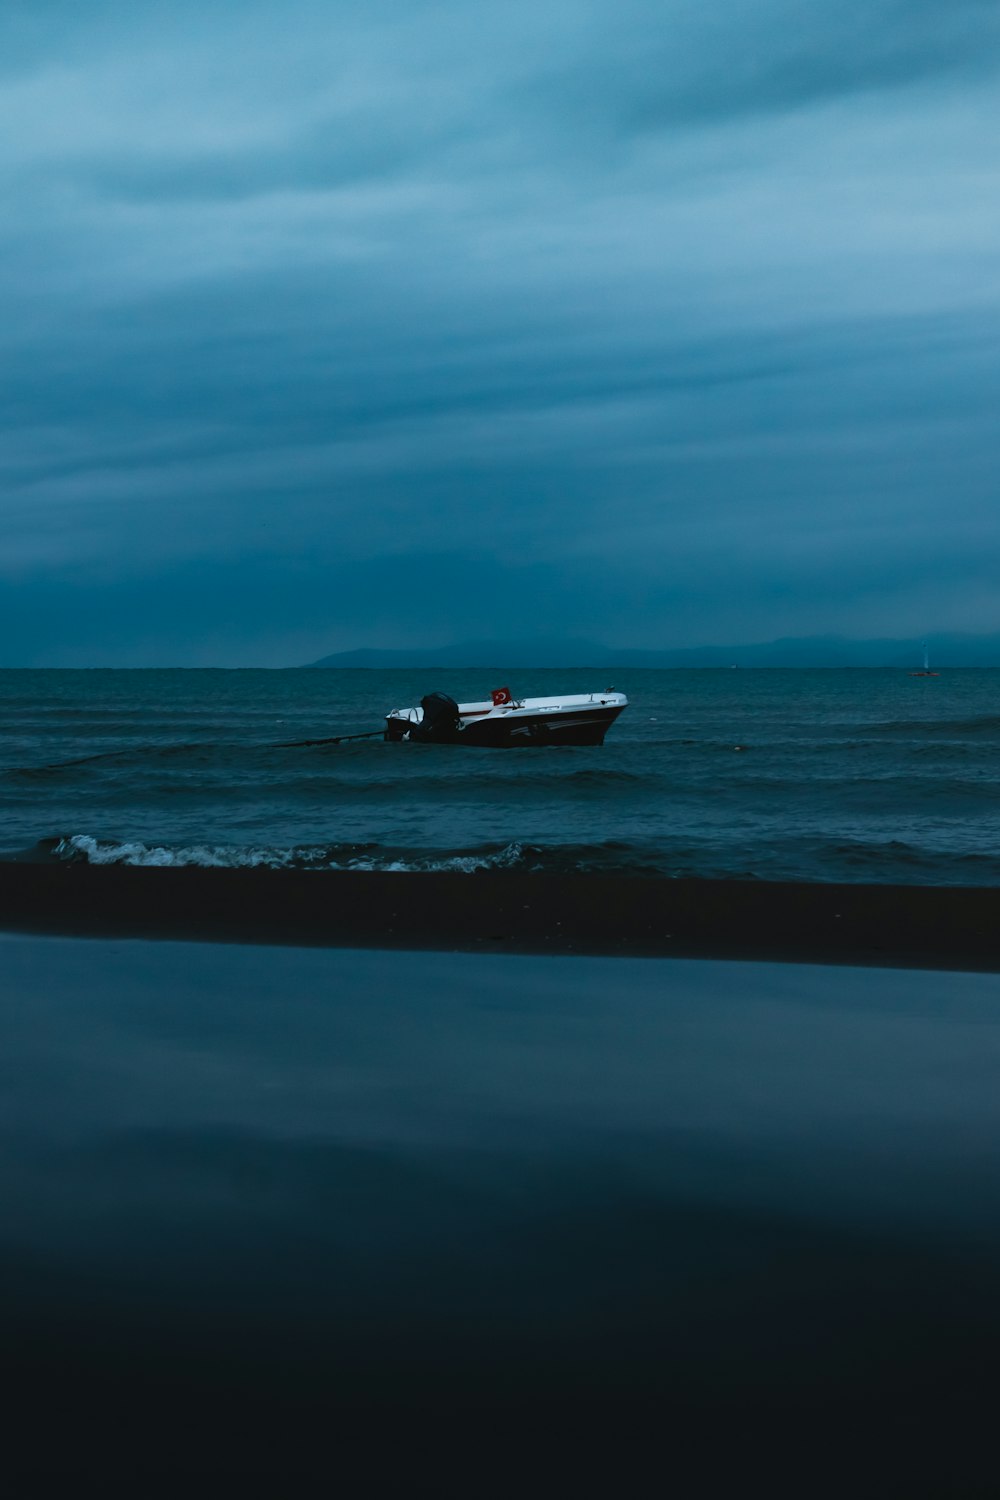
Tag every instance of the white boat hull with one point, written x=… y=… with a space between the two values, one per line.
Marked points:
x=579 y=719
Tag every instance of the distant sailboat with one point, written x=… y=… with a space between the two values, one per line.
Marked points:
x=926 y=672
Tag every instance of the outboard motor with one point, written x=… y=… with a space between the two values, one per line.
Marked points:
x=439 y=725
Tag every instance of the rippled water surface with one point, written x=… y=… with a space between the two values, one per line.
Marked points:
x=835 y=775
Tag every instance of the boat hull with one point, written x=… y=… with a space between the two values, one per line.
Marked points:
x=581 y=726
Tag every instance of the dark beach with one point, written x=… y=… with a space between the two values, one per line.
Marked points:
x=498 y=911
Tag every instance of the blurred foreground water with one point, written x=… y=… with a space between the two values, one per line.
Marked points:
x=440 y=1224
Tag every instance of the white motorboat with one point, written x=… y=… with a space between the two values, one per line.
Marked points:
x=573 y=719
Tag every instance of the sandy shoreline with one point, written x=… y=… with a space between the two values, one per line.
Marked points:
x=496 y=911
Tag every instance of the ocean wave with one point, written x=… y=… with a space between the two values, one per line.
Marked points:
x=980 y=724
x=789 y=858
x=86 y=849
x=83 y=848
x=120 y=757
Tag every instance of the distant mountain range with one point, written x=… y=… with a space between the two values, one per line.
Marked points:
x=807 y=651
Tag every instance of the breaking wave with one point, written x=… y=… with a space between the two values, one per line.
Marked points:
x=782 y=858
x=82 y=848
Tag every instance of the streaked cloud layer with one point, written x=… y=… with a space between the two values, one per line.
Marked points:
x=334 y=325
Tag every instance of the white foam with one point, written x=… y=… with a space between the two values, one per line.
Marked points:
x=104 y=852
x=93 y=851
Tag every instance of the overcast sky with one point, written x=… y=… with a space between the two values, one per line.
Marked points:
x=395 y=322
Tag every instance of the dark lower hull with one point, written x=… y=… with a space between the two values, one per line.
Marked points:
x=579 y=727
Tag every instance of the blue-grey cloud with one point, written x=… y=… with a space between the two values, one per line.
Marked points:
x=330 y=324
x=701 y=64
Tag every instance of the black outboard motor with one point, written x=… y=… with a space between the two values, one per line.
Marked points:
x=439 y=725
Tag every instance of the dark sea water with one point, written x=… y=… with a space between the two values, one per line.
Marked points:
x=815 y=775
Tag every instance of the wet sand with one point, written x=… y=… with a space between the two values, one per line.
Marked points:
x=923 y=926
x=429 y=1223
